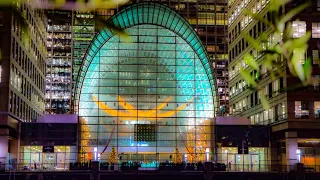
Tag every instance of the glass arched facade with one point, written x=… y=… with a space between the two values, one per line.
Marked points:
x=150 y=98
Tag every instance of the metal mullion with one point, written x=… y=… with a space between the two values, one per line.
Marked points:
x=99 y=72
x=174 y=16
x=160 y=10
x=195 y=109
x=130 y=10
x=175 y=69
x=167 y=18
x=157 y=61
x=155 y=17
x=191 y=33
x=137 y=94
x=184 y=22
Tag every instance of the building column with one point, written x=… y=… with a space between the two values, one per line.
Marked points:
x=291 y=150
x=273 y=154
x=4 y=142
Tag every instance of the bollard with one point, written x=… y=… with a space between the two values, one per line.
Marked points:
x=95 y=170
x=208 y=171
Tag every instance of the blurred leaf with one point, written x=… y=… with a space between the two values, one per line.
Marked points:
x=276 y=38
x=252 y=41
x=248 y=58
x=264 y=36
x=288 y=32
x=307 y=68
x=276 y=4
x=106 y=4
x=247 y=77
x=79 y=4
x=118 y=31
x=264 y=101
x=58 y=3
x=301 y=41
x=297 y=65
x=289 y=15
x=278 y=49
x=10 y=2
x=272 y=75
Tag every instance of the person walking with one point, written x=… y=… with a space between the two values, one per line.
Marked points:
x=35 y=165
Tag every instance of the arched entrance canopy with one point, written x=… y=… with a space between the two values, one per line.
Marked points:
x=147 y=13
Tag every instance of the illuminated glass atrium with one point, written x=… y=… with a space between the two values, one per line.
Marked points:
x=147 y=94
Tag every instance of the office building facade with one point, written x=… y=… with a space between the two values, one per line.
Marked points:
x=23 y=49
x=59 y=62
x=293 y=115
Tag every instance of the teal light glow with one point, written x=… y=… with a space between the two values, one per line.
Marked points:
x=149 y=13
x=163 y=74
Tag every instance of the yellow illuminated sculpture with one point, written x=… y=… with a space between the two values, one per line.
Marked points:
x=196 y=135
x=176 y=157
x=84 y=143
x=132 y=113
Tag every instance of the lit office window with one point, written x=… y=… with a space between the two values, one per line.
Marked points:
x=252 y=119
x=281 y=111
x=301 y=109
x=315 y=56
x=316 y=85
x=299 y=28
x=316 y=30
x=244 y=103
x=271 y=115
x=0 y=73
x=275 y=86
x=317 y=109
x=257 y=118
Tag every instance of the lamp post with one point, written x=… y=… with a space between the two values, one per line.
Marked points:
x=243 y=141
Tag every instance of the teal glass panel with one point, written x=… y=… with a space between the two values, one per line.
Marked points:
x=160 y=17
x=165 y=18
x=140 y=15
x=150 y=15
x=134 y=13
x=126 y=19
x=130 y=17
x=120 y=20
x=171 y=22
x=115 y=21
x=155 y=15
x=179 y=25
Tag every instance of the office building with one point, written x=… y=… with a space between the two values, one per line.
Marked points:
x=293 y=115
x=22 y=73
x=59 y=62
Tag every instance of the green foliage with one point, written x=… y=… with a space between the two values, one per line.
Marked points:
x=247 y=77
x=287 y=17
x=276 y=4
x=264 y=101
x=282 y=45
x=248 y=58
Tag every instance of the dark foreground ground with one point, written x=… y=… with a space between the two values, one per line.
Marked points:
x=156 y=176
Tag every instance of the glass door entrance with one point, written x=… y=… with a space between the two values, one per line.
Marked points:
x=255 y=162
x=49 y=161
x=35 y=161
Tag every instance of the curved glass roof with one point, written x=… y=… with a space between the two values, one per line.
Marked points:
x=153 y=14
